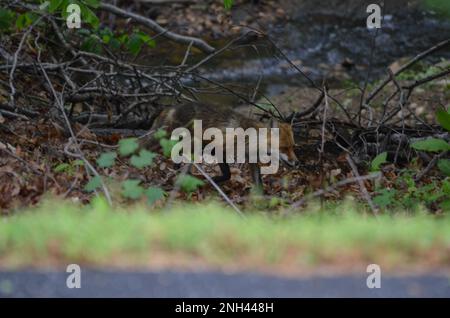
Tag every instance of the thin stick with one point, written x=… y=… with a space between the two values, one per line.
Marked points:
x=210 y=180
x=361 y=184
x=430 y=166
x=14 y=62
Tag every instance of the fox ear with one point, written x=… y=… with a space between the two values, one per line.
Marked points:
x=273 y=123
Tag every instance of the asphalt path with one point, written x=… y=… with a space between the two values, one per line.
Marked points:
x=213 y=284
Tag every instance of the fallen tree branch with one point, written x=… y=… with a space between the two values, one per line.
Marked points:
x=427 y=79
x=430 y=166
x=199 y=43
x=406 y=66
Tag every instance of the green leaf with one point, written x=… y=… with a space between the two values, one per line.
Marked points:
x=106 y=35
x=92 y=44
x=378 y=161
x=54 y=5
x=432 y=145
x=62 y=167
x=93 y=184
x=167 y=145
x=189 y=183
x=385 y=198
x=92 y=3
x=134 y=44
x=107 y=159
x=22 y=22
x=444 y=166
x=154 y=194
x=228 y=4
x=445 y=205
x=123 y=38
x=78 y=162
x=144 y=159
x=6 y=19
x=89 y=16
x=128 y=146
x=66 y=3
x=106 y=38
x=145 y=38
x=441 y=6
x=444 y=119
x=131 y=189
x=159 y=134
x=114 y=43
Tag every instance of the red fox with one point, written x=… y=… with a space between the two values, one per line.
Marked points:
x=222 y=117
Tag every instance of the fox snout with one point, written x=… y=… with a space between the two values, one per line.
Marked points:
x=289 y=157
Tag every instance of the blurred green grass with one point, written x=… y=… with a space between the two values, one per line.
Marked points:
x=97 y=235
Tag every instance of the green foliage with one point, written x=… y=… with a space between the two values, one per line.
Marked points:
x=93 y=38
x=87 y=15
x=62 y=167
x=444 y=166
x=438 y=145
x=167 y=145
x=418 y=73
x=92 y=3
x=228 y=4
x=68 y=168
x=189 y=183
x=91 y=44
x=407 y=195
x=131 y=189
x=128 y=146
x=55 y=5
x=78 y=162
x=443 y=119
x=431 y=145
x=144 y=159
x=107 y=159
x=135 y=42
x=154 y=194
x=6 y=19
x=93 y=184
x=385 y=197
x=378 y=161
x=159 y=134
x=441 y=6
x=24 y=20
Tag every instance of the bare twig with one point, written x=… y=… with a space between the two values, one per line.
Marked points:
x=324 y=123
x=15 y=58
x=430 y=166
x=361 y=184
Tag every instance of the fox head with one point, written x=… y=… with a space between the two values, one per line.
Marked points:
x=286 y=143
